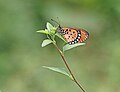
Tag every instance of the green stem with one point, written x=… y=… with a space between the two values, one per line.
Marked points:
x=51 y=38
x=66 y=64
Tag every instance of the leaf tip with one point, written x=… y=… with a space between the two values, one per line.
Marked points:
x=46 y=42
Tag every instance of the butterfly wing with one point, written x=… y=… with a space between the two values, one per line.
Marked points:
x=84 y=35
x=73 y=35
x=70 y=34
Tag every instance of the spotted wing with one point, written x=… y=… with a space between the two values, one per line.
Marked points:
x=70 y=34
x=84 y=35
x=73 y=36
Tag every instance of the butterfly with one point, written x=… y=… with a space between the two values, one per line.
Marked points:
x=73 y=35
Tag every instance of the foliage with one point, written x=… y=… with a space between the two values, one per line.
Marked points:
x=51 y=33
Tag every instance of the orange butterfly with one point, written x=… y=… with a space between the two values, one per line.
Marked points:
x=73 y=35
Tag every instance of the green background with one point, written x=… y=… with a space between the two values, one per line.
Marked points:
x=96 y=65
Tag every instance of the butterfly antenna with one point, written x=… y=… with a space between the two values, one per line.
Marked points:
x=55 y=22
x=58 y=20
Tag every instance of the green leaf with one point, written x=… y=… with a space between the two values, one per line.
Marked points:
x=46 y=42
x=68 y=47
x=58 y=35
x=53 y=31
x=43 y=31
x=59 y=70
x=49 y=26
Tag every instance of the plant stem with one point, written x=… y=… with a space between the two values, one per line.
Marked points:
x=66 y=64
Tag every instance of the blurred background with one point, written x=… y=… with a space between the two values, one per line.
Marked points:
x=96 y=65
